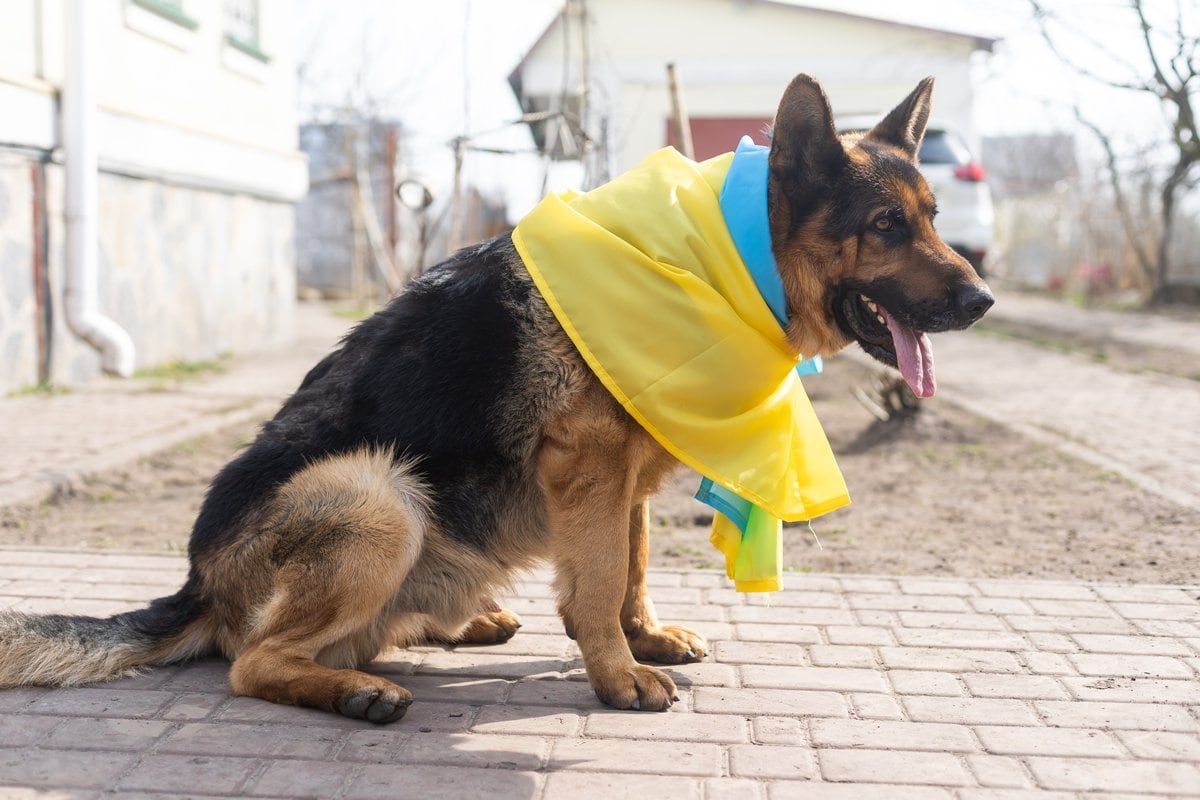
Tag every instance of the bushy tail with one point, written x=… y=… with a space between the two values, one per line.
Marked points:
x=61 y=650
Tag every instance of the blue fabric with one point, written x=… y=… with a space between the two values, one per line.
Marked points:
x=744 y=205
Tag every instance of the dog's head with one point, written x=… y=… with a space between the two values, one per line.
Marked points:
x=852 y=230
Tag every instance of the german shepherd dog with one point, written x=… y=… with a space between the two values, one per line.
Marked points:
x=457 y=437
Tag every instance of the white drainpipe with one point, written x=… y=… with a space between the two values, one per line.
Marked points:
x=80 y=164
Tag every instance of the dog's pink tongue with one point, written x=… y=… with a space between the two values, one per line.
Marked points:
x=914 y=357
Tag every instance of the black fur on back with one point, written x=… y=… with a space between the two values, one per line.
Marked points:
x=426 y=377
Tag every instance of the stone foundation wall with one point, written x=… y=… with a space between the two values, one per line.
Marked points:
x=190 y=273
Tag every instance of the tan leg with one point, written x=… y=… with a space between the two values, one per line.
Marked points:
x=589 y=490
x=648 y=640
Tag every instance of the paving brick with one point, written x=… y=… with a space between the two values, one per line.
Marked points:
x=455 y=689
x=1043 y=741
x=15 y=700
x=1143 y=690
x=1130 y=666
x=554 y=693
x=59 y=769
x=1014 y=794
x=1116 y=716
x=878 y=618
x=1131 y=645
x=193 y=706
x=779 y=730
x=1047 y=663
x=1027 y=687
x=702 y=673
x=1034 y=622
x=949 y=660
x=487 y=665
x=906 y=681
x=837 y=679
x=1144 y=594
x=1166 y=627
x=387 y=782
x=576 y=785
x=884 y=734
x=443 y=717
x=263 y=739
x=768 y=702
x=1162 y=745
x=836 y=655
x=1035 y=589
x=769 y=761
x=1072 y=608
x=959 y=638
x=999 y=605
x=876 y=706
x=785 y=615
x=617 y=755
x=302 y=779
x=531 y=720
x=675 y=725
x=917 y=586
x=760 y=632
x=483 y=750
x=801 y=599
x=376 y=745
x=859 y=634
x=183 y=773
x=102 y=702
x=942 y=619
x=893 y=766
x=1052 y=642
x=26 y=729
x=820 y=790
x=694 y=615
x=759 y=653
x=731 y=789
x=998 y=771
x=1159 y=611
x=852 y=583
x=968 y=710
x=199 y=676
x=905 y=602
x=104 y=734
x=1112 y=775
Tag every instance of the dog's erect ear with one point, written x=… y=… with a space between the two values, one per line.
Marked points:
x=804 y=143
x=905 y=125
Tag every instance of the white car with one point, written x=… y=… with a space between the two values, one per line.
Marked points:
x=965 y=217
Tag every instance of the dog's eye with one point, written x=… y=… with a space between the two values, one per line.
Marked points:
x=884 y=223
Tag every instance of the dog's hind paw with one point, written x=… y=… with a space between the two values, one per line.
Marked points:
x=670 y=644
x=374 y=704
x=490 y=627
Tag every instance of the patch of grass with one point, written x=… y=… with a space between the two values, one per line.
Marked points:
x=45 y=389
x=355 y=313
x=178 y=369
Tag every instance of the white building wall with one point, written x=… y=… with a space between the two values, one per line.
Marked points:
x=735 y=59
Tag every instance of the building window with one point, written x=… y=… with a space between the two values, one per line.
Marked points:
x=242 y=28
x=169 y=9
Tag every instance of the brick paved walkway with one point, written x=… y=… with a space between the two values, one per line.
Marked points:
x=839 y=687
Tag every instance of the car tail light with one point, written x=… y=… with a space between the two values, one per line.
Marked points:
x=971 y=171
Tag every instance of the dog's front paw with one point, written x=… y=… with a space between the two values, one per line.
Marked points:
x=639 y=688
x=670 y=644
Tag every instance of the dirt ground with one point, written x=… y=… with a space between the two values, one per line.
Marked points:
x=939 y=493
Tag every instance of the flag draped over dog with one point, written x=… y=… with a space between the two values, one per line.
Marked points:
x=646 y=279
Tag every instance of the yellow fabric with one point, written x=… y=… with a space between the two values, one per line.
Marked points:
x=645 y=279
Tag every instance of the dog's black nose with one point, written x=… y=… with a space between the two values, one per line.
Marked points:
x=973 y=302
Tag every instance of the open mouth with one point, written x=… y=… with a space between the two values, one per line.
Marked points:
x=886 y=339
